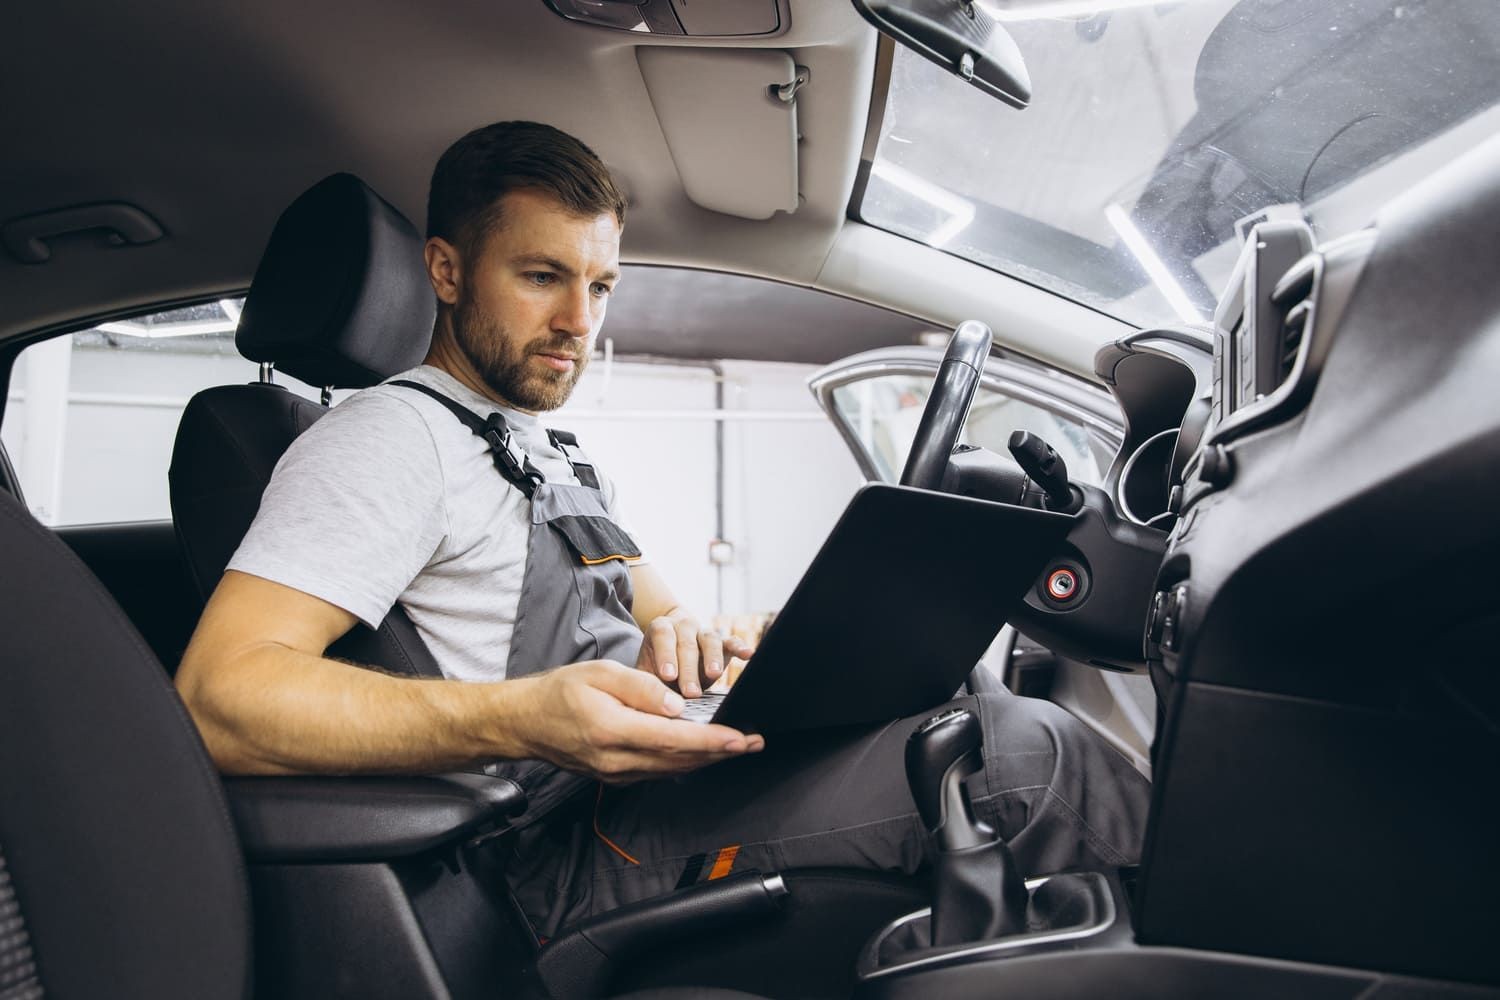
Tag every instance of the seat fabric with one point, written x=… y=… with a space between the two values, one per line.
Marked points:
x=115 y=834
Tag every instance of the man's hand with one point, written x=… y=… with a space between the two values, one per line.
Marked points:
x=679 y=652
x=602 y=718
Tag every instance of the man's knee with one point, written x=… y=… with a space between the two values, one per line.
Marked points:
x=1051 y=780
x=1015 y=726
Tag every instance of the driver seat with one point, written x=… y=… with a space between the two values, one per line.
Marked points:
x=340 y=300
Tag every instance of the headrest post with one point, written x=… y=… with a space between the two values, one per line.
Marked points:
x=327 y=395
x=268 y=372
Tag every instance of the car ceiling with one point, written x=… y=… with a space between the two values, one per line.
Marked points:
x=678 y=313
x=213 y=118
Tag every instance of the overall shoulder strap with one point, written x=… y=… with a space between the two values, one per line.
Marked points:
x=567 y=443
x=510 y=459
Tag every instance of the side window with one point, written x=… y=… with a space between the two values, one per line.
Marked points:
x=90 y=417
x=883 y=412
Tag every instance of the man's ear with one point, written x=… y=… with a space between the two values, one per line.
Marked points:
x=444 y=269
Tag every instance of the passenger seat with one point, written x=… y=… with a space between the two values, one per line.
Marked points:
x=120 y=875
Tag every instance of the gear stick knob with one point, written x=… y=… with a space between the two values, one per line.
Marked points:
x=978 y=893
x=940 y=755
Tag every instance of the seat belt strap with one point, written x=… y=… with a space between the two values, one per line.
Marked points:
x=567 y=443
x=510 y=459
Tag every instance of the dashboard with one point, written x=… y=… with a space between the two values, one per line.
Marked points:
x=1322 y=470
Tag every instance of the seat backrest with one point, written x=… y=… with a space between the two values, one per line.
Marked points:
x=340 y=300
x=120 y=873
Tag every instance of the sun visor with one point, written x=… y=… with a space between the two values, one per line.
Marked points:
x=730 y=120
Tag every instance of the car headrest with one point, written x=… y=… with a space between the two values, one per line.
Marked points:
x=341 y=296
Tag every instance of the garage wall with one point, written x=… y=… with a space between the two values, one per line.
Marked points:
x=787 y=473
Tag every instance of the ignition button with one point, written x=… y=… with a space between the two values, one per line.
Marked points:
x=1062 y=584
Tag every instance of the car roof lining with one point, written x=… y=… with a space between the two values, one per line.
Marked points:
x=278 y=95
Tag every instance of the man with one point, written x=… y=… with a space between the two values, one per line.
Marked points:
x=513 y=566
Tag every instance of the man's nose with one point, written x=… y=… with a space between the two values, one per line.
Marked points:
x=575 y=314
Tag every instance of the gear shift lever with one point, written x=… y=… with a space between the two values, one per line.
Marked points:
x=943 y=752
x=978 y=892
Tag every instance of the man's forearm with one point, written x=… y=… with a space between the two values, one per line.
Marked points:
x=274 y=710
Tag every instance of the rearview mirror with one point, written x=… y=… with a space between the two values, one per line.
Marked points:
x=960 y=36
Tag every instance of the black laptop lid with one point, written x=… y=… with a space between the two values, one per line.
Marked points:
x=897 y=607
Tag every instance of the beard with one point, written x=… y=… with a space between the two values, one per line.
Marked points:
x=506 y=366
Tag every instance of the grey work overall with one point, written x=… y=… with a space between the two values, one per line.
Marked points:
x=1062 y=797
x=575 y=594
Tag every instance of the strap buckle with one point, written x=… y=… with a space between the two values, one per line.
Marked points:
x=514 y=464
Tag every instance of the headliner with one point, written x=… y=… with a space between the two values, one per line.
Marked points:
x=680 y=313
x=214 y=117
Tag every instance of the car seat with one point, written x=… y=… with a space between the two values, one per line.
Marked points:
x=340 y=300
x=119 y=870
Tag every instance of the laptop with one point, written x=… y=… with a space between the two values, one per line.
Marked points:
x=899 y=604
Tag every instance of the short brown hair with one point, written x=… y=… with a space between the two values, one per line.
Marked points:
x=463 y=204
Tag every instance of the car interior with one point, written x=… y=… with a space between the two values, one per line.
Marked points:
x=1206 y=286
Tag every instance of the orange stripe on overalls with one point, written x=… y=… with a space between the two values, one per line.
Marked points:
x=724 y=862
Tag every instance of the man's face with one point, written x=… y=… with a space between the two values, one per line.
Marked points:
x=532 y=298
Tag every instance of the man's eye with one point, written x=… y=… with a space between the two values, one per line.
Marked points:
x=540 y=278
x=601 y=289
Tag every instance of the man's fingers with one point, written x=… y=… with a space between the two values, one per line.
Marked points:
x=661 y=642
x=738 y=647
x=711 y=649
x=679 y=738
x=687 y=658
x=640 y=690
x=652 y=728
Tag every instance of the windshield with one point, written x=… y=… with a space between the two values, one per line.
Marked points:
x=1160 y=132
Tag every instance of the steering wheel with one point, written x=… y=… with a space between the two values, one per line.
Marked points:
x=947 y=406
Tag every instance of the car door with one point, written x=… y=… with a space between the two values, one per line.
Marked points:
x=875 y=400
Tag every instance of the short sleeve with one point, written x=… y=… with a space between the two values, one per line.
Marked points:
x=354 y=510
x=617 y=514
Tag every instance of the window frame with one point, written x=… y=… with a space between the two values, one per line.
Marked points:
x=1093 y=408
x=13 y=347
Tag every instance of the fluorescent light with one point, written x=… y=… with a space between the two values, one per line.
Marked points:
x=185 y=329
x=1063 y=8
x=1160 y=276
x=960 y=211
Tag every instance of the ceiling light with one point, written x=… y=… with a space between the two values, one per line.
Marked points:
x=1153 y=266
x=157 y=331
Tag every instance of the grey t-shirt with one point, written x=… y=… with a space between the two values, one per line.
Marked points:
x=390 y=498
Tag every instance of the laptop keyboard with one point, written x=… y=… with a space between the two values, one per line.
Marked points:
x=701 y=709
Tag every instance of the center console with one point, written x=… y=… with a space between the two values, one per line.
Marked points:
x=1074 y=934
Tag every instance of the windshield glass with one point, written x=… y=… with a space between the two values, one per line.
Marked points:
x=1159 y=132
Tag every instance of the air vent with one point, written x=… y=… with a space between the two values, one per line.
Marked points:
x=1294 y=321
x=1293 y=298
